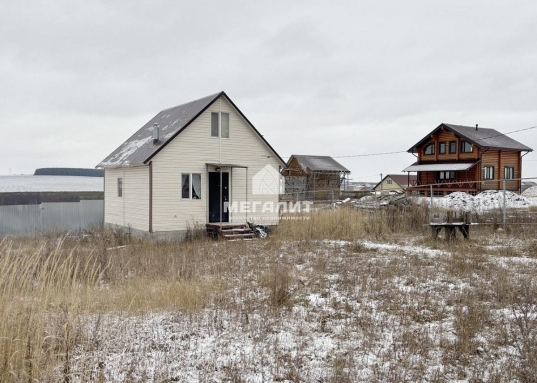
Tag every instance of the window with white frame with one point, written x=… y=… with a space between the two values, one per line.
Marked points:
x=389 y=182
x=429 y=149
x=488 y=172
x=219 y=125
x=509 y=173
x=120 y=187
x=446 y=175
x=191 y=185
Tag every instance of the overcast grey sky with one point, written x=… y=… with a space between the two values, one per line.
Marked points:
x=336 y=78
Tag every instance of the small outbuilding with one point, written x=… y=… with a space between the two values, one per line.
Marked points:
x=316 y=174
x=199 y=163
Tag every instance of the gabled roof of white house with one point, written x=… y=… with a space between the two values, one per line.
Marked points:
x=318 y=163
x=403 y=180
x=139 y=148
x=482 y=137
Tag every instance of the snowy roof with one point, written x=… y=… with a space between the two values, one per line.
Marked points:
x=482 y=137
x=438 y=167
x=139 y=148
x=319 y=163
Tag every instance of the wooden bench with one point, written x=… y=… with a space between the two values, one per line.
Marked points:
x=450 y=222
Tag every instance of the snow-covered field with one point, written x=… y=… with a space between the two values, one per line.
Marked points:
x=359 y=311
x=30 y=183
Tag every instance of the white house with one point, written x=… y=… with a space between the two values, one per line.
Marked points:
x=194 y=164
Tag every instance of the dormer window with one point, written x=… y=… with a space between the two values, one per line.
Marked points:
x=466 y=147
x=429 y=149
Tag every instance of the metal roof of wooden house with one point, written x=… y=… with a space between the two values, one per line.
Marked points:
x=319 y=163
x=482 y=137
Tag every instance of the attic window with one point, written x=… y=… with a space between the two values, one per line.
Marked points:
x=429 y=149
x=389 y=182
x=466 y=147
x=442 y=148
x=219 y=125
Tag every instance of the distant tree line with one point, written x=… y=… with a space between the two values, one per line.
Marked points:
x=79 y=172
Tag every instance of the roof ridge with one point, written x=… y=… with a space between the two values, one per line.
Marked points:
x=309 y=155
x=470 y=127
x=193 y=101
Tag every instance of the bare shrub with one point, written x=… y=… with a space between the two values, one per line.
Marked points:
x=279 y=282
x=524 y=329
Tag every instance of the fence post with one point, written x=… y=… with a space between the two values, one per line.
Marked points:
x=504 y=206
x=332 y=196
x=431 y=208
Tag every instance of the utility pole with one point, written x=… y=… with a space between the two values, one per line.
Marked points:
x=381 y=186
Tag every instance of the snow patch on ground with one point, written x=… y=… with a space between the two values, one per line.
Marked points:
x=530 y=192
x=488 y=200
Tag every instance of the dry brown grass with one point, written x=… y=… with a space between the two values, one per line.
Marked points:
x=349 y=223
x=76 y=309
x=34 y=284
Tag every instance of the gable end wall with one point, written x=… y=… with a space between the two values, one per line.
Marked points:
x=189 y=152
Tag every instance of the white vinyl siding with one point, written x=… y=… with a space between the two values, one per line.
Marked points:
x=132 y=209
x=190 y=151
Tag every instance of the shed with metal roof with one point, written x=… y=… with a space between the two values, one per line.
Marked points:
x=314 y=174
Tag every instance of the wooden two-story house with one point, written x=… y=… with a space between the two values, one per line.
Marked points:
x=468 y=159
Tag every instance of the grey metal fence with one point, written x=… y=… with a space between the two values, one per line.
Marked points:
x=50 y=217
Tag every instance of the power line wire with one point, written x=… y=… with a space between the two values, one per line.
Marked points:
x=505 y=134
x=404 y=151
x=370 y=154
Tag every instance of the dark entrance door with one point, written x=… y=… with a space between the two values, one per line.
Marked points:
x=215 y=205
